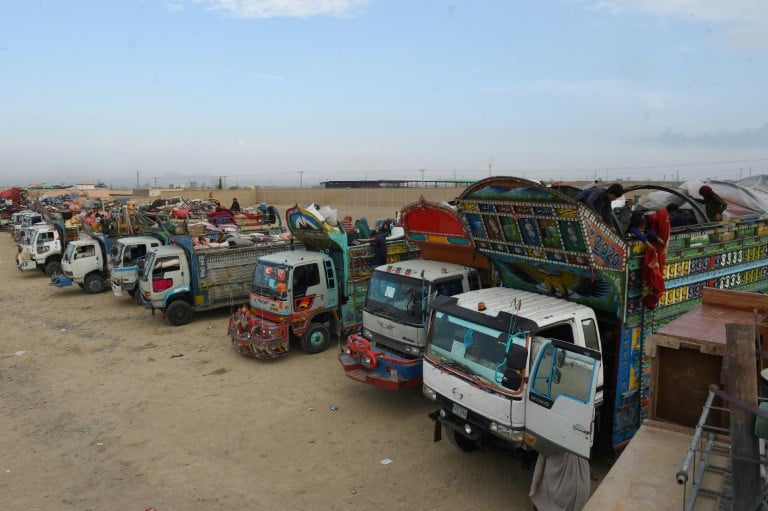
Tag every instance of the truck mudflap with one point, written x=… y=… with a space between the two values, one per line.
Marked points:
x=254 y=337
x=60 y=280
x=376 y=366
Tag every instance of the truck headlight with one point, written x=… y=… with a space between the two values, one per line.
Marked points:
x=503 y=431
x=413 y=350
x=429 y=393
x=367 y=334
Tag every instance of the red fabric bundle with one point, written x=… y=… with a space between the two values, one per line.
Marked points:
x=655 y=259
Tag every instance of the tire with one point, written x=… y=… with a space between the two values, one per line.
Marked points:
x=132 y=293
x=82 y=286
x=316 y=338
x=179 y=313
x=460 y=441
x=94 y=284
x=52 y=267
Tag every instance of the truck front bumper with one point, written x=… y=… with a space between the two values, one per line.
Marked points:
x=254 y=337
x=27 y=265
x=377 y=366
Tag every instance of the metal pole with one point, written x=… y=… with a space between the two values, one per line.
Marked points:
x=700 y=472
x=682 y=474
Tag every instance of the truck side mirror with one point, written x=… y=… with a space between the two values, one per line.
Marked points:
x=516 y=357
x=512 y=379
x=556 y=375
x=560 y=358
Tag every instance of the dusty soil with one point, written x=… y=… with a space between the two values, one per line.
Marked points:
x=105 y=407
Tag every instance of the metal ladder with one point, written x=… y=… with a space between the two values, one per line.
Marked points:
x=705 y=445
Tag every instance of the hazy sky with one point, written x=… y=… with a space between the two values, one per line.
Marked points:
x=274 y=92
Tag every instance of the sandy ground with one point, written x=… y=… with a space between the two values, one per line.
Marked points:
x=104 y=407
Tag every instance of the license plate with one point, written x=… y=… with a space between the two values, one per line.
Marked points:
x=460 y=411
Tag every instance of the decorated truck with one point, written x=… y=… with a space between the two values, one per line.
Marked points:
x=182 y=278
x=308 y=294
x=581 y=296
x=387 y=351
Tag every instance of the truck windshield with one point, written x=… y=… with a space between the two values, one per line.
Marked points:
x=397 y=297
x=474 y=348
x=271 y=280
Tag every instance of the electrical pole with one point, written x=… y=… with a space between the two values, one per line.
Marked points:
x=422 y=177
x=137 y=179
x=490 y=167
x=301 y=179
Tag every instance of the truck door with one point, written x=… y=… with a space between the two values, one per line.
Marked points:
x=306 y=288
x=560 y=403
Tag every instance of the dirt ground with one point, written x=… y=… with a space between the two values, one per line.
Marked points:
x=105 y=407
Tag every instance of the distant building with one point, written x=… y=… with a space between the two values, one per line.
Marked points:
x=85 y=185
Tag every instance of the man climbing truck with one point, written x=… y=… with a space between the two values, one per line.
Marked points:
x=309 y=294
x=387 y=351
x=601 y=299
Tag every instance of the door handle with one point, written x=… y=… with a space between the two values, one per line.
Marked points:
x=581 y=429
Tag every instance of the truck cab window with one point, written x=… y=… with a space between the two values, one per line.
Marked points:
x=163 y=266
x=448 y=287
x=304 y=277
x=563 y=332
x=134 y=253
x=591 y=339
x=563 y=373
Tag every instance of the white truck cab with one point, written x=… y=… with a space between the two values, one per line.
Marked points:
x=481 y=368
x=23 y=220
x=126 y=253
x=43 y=250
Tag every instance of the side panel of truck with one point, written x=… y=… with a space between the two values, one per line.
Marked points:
x=223 y=276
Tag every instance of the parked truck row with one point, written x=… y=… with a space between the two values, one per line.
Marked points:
x=518 y=310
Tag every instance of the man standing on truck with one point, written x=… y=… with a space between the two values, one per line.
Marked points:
x=599 y=200
x=379 y=246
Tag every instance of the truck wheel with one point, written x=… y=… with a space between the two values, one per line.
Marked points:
x=462 y=442
x=179 y=313
x=316 y=338
x=52 y=268
x=95 y=284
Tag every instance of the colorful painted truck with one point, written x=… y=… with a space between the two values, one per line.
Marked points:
x=579 y=293
x=309 y=294
x=387 y=351
x=180 y=279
